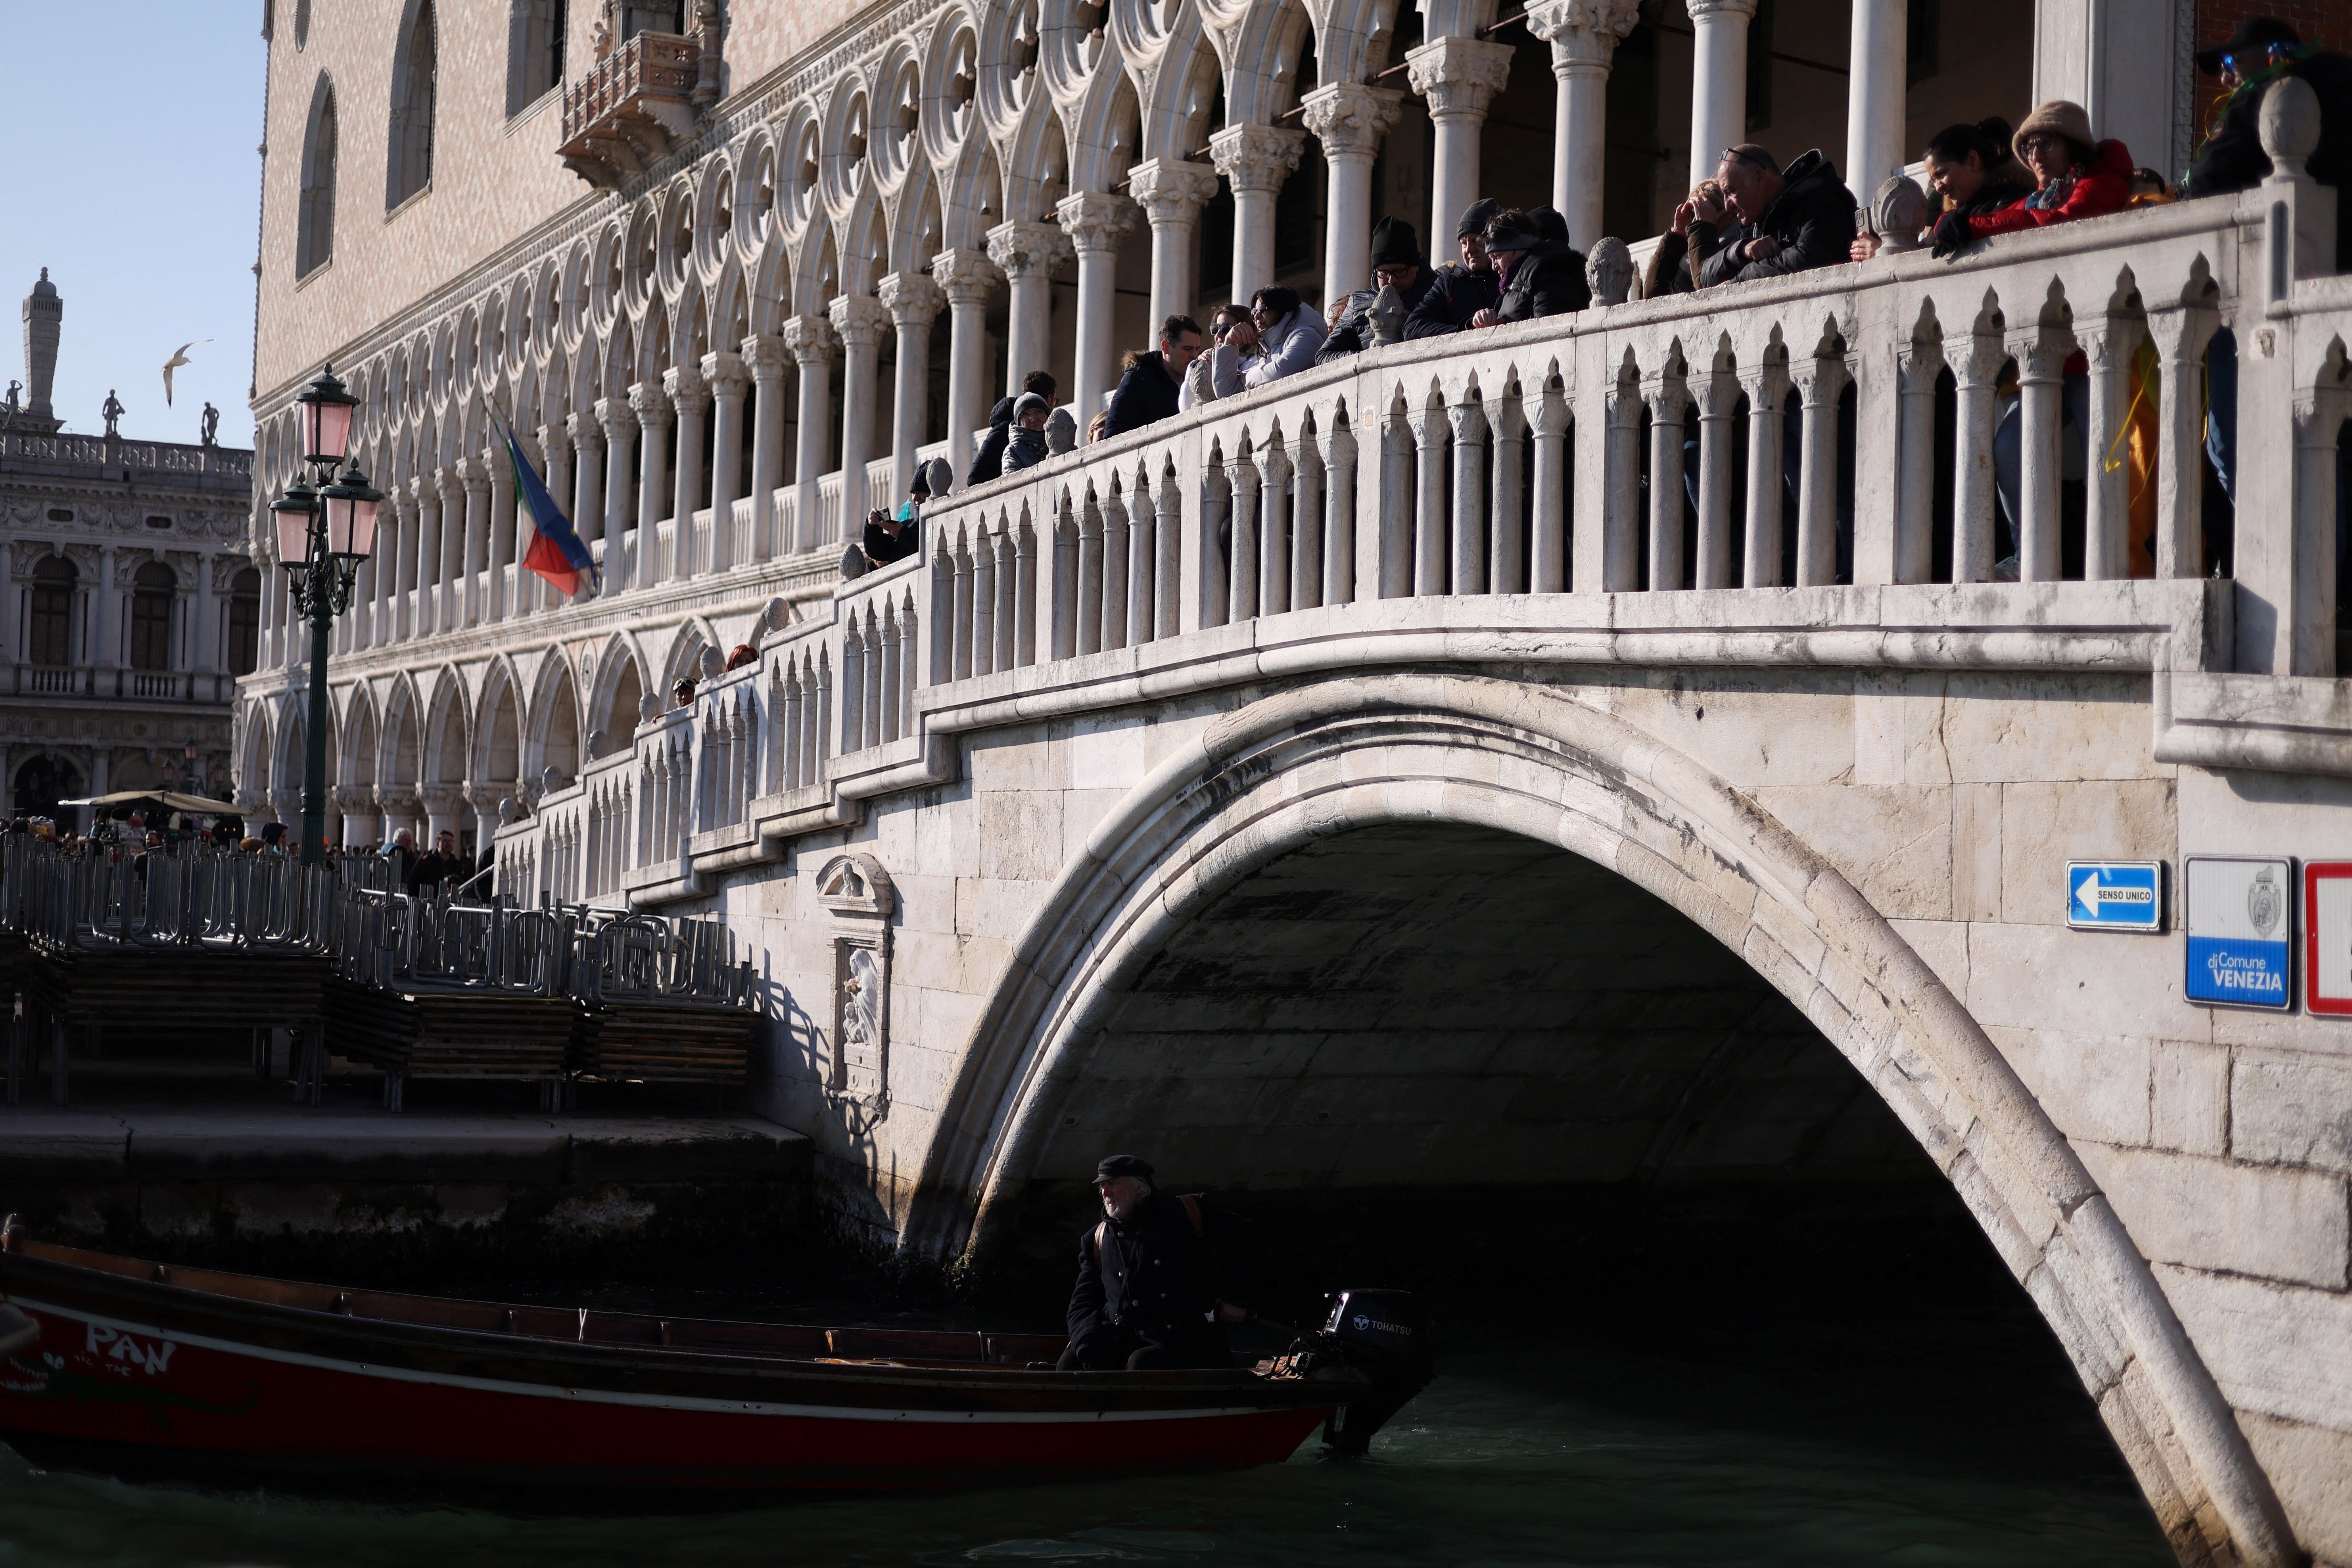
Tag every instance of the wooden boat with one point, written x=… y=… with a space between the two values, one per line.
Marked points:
x=144 y=1370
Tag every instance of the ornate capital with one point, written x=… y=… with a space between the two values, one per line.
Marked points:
x=1171 y=190
x=1708 y=10
x=1094 y=219
x=1027 y=249
x=1583 y=32
x=686 y=391
x=725 y=374
x=473 y=475
x=585 y=429
x=1350 y=117
x=859 y=319
x=1457 y=75
x=812 y=339
x=766 y=355
x=912 y=299
x=650 y=403
x=965 y=276
x=1256 y=157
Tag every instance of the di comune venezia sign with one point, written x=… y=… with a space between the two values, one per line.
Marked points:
x=2328 y=936
x=2239 y=913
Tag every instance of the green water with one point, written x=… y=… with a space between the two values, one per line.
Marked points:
x=1914 y=1444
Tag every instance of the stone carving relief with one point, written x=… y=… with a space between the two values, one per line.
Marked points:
x=857 y=892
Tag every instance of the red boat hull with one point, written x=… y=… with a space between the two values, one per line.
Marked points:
x=145 y=1397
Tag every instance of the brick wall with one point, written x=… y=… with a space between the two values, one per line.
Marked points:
x=2324 y=22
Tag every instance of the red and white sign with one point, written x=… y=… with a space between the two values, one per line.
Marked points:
x=2327 y=935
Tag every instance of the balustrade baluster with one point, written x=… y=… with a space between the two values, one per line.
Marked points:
x=1547 y=543
x=1167 y=532
x=893 y=652
x=1064 y=606
x=1110 y=623
x=1142 y=564
x=909 y=651
x=1273 y=527
x=951 y=593
x=1431 y=428
x=1086 y=636
x=990 y=588
x=1620 y=567
x=1915 y=495
x=1241 y=585
x=853 y=688
x=1818 y=381
x=1507 y=553
x=2042 y=386
x=1339 y=535
x=1718 y=405
x=1306 y=522
x=1397 y=491
x=1009 y=647
x=873 y=680
x=821 y=719
x=2181 y=336
x=1025 y=592
x=1466 y=571
x=2109 y=346
x=1976 y=365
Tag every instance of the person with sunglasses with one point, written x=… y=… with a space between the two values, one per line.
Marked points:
x=2075 y=175
x=2261 y=51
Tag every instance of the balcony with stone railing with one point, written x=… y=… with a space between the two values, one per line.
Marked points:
x=111 y=685
x=1541 y=495
x=630 y=109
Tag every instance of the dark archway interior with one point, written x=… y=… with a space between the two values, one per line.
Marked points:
x=1437 y=1005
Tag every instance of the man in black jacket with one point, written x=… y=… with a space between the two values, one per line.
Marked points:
x=1460 y=291
x=990 y=463
x=2261 y=51
x=1790 y=221
x=1147 y=393
x=1146 y=1295
x=1396 y=264
x=1541 y=273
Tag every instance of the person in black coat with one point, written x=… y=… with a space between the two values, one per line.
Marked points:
x=1147 y=1293
x=1459 y=290
x=1147 y=393
x=990 y=463
x=1791 y=220
x=2263 y=51
x=1396 y=264
x=1542 y=274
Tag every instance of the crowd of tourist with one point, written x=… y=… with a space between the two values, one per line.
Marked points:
x=1756 y=217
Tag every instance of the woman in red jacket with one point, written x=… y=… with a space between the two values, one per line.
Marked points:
x=2076 y=176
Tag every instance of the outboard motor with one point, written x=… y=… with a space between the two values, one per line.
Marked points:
x=1388 y=1337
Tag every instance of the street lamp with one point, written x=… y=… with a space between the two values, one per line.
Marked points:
x=324 y=532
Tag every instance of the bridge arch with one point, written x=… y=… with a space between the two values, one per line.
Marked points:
x=1300 y=769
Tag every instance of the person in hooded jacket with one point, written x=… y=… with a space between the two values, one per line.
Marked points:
x=990 y=463
x=1459 y=290
x=1539 y=272
x=1789 y=220
x=1024 y=447
x=2075 y=175
x=2264 y=50
x=1396 y=264
x=1970 y=169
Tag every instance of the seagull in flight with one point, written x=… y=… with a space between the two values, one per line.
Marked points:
x=179 y=357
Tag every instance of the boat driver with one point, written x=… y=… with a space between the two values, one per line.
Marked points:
x=1146 y=1296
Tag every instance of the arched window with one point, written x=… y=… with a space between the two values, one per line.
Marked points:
x=535 y=30
x=151 y=616
x=49 y=628
x=244 y=622
x=314 y=230
x=416 y=66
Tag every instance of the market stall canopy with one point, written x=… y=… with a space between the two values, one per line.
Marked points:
x=170 y=800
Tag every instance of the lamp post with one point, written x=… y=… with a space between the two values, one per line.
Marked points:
x=324 y=532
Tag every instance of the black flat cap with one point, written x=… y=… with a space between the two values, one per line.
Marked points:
x=1118 y=1165
x=2254 y=34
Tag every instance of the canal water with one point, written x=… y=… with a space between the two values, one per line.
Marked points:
x=1918 y=1443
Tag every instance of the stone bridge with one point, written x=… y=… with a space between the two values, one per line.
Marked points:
x=1602 y=749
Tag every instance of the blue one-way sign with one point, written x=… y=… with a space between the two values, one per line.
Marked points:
x=2115 y=895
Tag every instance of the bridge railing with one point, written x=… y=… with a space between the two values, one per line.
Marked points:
x=2034 y=411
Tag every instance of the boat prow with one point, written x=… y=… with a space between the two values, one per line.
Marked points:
x=146 y=1369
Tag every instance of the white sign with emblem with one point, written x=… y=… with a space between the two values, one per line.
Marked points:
x=2239 y=913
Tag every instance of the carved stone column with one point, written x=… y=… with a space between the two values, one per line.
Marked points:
x=914 y=302
x=1171 y=194
x=1094 y=222
x=1349 y=120
x=471 y=551
x=1457 y=77
x=724 y=375
x=1877 y=46
x=859 y=319
x=813 y=343
x=1254 y=160
x=1027 y=253
x=967 y=277
x=652 y=407
x=1583 y=34
x=689 y=397
x=1719 y=80
x=620 y=455
x=767 y=357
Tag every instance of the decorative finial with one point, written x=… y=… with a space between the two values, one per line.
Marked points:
x=44 y=275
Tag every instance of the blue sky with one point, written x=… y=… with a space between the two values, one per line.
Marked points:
x=130 y=172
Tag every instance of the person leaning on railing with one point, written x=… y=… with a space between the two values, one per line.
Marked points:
x=1540 y=273
x=990 y=462
x=1789 y=220
x=2076 y=175
x=1970 y=167
x=1147 y=392
x=1459 y=289
x=1396 y=264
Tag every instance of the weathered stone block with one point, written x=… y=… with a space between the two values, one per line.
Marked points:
x=2292 y=1111
x=2209 y=1213
x=1894 y=843
x=2044 y=825
x=2191 y=1106
x=2311 y=1467
x=2094 y=1086
x=2283 y=1350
